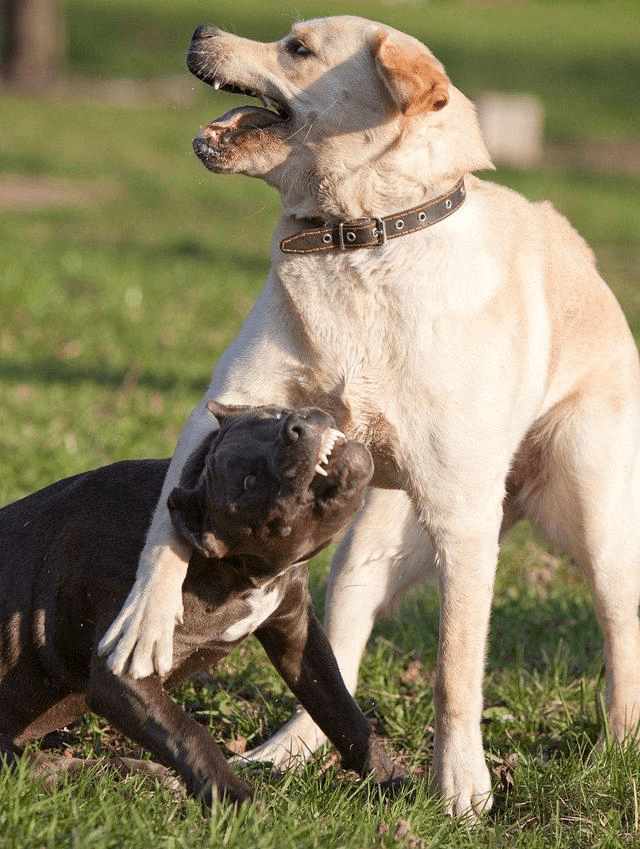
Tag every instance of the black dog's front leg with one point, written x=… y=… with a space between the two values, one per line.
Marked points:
x=144 y=711
x=299 y=649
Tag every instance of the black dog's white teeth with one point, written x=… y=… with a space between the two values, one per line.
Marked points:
x=329 y=439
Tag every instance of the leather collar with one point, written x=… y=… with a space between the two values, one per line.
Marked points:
x=374 y=232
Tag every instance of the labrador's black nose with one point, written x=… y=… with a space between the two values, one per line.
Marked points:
x=204 y=31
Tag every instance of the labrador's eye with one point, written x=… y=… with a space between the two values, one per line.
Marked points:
x=248 y=482
x=297 y=48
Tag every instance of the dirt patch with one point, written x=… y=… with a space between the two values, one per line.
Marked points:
x=620 y=157
x=26 y=192
x=122 y=92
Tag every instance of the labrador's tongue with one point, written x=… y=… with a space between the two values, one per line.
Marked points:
x=252 y=115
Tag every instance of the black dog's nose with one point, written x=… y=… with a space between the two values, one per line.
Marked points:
x=204 y=31
x=296 y=427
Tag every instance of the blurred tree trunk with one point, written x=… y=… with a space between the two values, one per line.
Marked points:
x=33 y=42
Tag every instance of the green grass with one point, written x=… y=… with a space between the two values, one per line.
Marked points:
x=112 y=315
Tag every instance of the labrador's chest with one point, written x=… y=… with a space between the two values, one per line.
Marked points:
x=357 y=330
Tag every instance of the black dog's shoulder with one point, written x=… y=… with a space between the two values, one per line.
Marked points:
x=143 y=474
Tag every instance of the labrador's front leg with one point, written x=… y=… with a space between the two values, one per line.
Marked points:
x=140 y=639
x=466 y=569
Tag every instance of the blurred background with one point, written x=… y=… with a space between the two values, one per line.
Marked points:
x=125 y=267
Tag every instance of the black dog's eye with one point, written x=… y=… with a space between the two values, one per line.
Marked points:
x=249 y=482
x=297 y=48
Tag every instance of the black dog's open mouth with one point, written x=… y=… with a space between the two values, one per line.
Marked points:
x=339 y=457
x=332 y=443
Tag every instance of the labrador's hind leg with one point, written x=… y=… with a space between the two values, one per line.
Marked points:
x=586 y=498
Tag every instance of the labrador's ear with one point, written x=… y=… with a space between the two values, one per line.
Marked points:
x=187 y=515
x=225 y=411
x=412 y=75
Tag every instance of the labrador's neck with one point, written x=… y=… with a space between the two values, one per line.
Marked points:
x=426 y=158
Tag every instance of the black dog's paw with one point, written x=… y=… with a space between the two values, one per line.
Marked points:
x=9 y=752
x=390 y=775
x=235 y=792
x=392 y=786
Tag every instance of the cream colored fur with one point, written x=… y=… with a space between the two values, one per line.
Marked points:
x=483 y=360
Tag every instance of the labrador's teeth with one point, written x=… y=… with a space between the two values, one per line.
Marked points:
x=321 y=471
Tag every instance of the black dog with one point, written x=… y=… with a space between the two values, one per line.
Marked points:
x=256 y=500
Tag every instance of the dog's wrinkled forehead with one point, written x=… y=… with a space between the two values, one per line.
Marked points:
x=342 y=36
x=249 y=432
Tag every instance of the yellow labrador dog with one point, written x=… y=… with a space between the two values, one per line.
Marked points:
x=459 y=331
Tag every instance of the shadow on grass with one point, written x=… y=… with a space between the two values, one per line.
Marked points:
x=50 y=371
x=529 y=631
x=526 y=630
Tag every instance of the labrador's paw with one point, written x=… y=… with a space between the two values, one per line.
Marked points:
x=463 y=780
x=291 y=745
x=140 y=640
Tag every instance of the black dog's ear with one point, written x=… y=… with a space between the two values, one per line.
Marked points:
x=196 y=461
x=226 y=411
x=188 y=518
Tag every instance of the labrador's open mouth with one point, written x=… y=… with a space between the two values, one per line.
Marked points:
x=247 y=117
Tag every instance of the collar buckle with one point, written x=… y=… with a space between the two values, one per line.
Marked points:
x=379 y=232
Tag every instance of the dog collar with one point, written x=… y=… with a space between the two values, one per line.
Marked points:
x=374 y=232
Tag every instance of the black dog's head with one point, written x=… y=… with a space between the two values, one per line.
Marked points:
x=274 y=483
